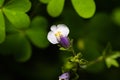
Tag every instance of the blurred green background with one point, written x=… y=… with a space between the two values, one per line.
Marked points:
x=26 y=54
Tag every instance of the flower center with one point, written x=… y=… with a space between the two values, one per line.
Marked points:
x=58 y=34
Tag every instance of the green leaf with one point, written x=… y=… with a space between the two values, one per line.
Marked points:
x=85 y=8
x=115 y=55
x=76 y=58
x=110 y=56
x=17 y=45
x=1 y=3
x=83 y=62
x=111 y=59
x=24 y=52
x=18 y=19
x=7 y=47
x=55 y=7
x=38 y=32
x=108 y=50
x=111 y=62
x=63 y=49
x=2 y=27
x=18 y=5
x=10 y=29
x=68 y=66
x=45 y=1
x=116 y=16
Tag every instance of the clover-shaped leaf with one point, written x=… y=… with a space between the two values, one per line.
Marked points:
x=23 y=52
x=18 y=19
x=45 y=1
x=55 y=7
x=116 y=16
x=15 y=10
x=10 y=29
x=85 y=8
x=18 y=5
x=1 y=2
x=17 y=45
x=37 y=32
x=2 y=27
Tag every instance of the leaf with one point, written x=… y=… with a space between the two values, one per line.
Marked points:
x=62 y=49
x=17 y=45
x=45 y=1
x=83 y=62
x=55 y=7
x=18 y=19
x=116 y=16
x=38 y=32
x=111 y=62
x=10 y=29
x=111 y=59
x=18 y=5
x=85 y=8
x=24 y=52
x=115 y=55
x=108 y=50
x=2 y=27
x=8 y=46
x=68 y=66
x=1 y=2
x=110 y=56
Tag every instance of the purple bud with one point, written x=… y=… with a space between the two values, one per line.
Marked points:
x=64 y=76
x=64 y=41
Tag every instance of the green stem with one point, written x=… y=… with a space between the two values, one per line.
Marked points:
x=95 y=61
x=73 y=52
x=72 y=49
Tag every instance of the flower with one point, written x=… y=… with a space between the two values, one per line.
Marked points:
x=58 y=35
x=64 y=76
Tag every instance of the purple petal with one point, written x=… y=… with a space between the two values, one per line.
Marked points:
x=64 y=76
x=64 y=41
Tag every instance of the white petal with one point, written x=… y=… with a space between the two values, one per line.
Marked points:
x=63 y=29
x=53 y=28
x=51 y=37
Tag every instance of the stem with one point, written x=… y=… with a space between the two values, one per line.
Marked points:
x=72 y=49
x=95 y=61
x=73 y=52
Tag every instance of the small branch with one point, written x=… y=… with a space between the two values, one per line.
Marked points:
x=71 y=48
x=73 y=52
x=94 y=61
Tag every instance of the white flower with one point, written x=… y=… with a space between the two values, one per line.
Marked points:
x=58 y=34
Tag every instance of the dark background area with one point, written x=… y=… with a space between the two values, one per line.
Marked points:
x=45 y=64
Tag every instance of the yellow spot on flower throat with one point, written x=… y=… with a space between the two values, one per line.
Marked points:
x=58 y=34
